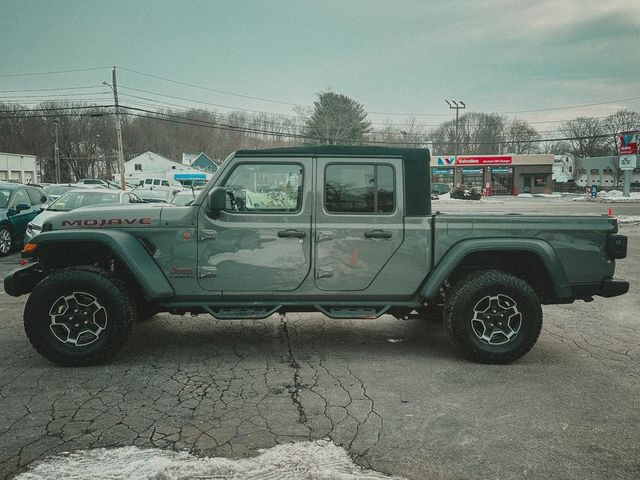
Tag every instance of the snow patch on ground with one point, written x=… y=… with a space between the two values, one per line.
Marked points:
x=628 y=218
x=447 y=197
x=611 y=196
x=524 y=195
x=319 y=460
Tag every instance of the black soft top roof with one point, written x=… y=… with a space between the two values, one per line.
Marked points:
x=417 y=178
x=410 y=154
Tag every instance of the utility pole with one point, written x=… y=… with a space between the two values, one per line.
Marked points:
x=56 y=154
x=114 y=87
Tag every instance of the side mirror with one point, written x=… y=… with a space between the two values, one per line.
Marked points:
x=217 y=200
x=22 y=206
x=44 y=206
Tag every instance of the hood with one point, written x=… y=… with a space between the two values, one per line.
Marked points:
x=108 y=216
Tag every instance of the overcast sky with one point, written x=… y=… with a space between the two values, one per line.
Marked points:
x=392 y=56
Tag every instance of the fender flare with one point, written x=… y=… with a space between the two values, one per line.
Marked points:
x=125 y=247
x=542 y=249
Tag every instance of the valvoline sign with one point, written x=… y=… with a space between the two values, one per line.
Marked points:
x=628 y=144
x=446 y=161
x=487 y=160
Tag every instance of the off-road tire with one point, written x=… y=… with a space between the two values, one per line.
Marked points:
x=5 y=235
x=467 y=301
x=109 y=293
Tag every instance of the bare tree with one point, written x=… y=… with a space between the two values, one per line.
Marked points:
x=478 y=133
x=621 y=121
x=585 y=134
x=521 y=137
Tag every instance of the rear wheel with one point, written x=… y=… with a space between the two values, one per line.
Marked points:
x=6 y=241
x=493 y=317
x=78 y=316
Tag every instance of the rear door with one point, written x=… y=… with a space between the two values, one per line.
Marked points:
x=359 y=220
x=262 y=240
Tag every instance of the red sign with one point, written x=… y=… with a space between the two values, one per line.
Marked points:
x=628 y=144
x=467 y=160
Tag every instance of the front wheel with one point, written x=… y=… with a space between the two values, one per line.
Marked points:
x=493 y=317
x=78 y=316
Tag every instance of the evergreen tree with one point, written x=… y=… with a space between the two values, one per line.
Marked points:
x=336 y=119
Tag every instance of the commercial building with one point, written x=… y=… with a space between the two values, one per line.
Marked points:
x=151 y=164
x=509 y=174
x=18 y=168
x=604 y=172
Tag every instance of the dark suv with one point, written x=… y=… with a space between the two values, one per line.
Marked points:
x=19 y=204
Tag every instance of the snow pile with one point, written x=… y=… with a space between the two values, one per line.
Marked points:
x=524 y=195
x=610 y=196
x=319 y=460
x=628 y=218
x=547 y=195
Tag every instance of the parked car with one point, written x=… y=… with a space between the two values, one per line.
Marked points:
x=56 y=190
x=155 y=195
x=19 y=204
x=159 y=184
x=77 y=198
x=184 y=198
x=97 y=181
x=438 y=189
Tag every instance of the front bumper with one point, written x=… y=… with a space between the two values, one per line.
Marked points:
x=22 y=280
x=611 y=287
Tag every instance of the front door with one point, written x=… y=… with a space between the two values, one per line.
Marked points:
x=20 y=218
x=261 y=242
x=359 y=220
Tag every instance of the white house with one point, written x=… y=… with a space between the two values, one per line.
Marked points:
x=151 y=164
x=17 y=167
x=564 y=168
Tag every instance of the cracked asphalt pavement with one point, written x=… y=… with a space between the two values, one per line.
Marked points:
x=394 y=393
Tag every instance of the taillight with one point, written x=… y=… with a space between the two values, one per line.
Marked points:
x=617 y=246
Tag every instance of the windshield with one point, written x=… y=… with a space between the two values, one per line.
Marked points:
x=56 y=189
x=4 y=198
x=72 y=200
x=182 y=200
x=153 y=195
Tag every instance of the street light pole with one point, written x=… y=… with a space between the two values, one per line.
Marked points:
x=56 y=153
x=459 y=105
x=114 y=87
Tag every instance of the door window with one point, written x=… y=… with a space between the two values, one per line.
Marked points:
x=20 y=198
x=359 y=188
x=268 y=188
x=37 y=197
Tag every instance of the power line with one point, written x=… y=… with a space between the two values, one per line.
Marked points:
x=48 y=109
x=370 y=112
x=202 y=123
x=572 y=106
x=224 y=92
x=296 y=117
x=47 y=89
x=51 y=73
x=61 y=95
x=201 y=102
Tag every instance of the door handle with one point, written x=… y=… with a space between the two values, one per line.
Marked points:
x=377 y=234
x=291 y=233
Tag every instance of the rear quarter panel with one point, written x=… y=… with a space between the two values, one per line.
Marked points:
x=578 y=240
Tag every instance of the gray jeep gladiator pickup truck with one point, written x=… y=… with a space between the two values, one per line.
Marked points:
x=346 y=231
